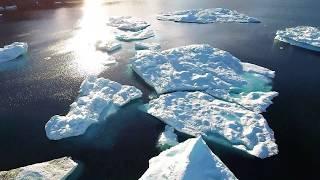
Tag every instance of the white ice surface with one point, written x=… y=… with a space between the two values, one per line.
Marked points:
x=147 y=46
x=133 y=36
x=207 y=16
x=252 y=68
x=167 y=138
x=12 y=51
x=128 y=23
x=52 y=170
x=197 y=113
x=302 y=36
x=190 y=160
x=98 y=98
x=108 y=46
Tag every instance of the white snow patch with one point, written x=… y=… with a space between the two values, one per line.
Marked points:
x=167 y=138
x=128 y=23
x=51 y=170
x=12 y=51
x=108 y=46
x=133 y=36
x=205 y=16
x=197 y=113
x=98 y=98
x=190 y=160
x=147 y=46
x=303 y=36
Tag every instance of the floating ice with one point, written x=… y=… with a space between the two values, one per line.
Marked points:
x=147 y=46
x=197 y=113
x=167 y=138
x=98 y=98
x=12 y=51
x=128 y=23
x=108 y=46
x=302 y=36
x=203 y=68
x=189 y=160
x=51 y=170
x=132 y=36
x=207 y=16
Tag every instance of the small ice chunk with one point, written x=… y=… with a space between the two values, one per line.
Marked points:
x=204 y=16
x=98 y=98
x=128 y=23
x=147 y=46
x=51 y=170
x=108 y=46
x=190 y=160
x=167 y=138
x=133 y=36
x=303 y=36
x=197 y=113
x=12 y=51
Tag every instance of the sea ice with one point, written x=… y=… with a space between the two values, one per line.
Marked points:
x=197 y=113
x=12 y=51
x=147 y=46
x=167 y=138
x=108 y=46
x=190 y=160
x=303 y=36
x=98 y=98
x=128 y=23
x=205 y=16
x=133 y=36
x=51 y=170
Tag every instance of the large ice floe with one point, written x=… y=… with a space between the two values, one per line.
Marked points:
x=205 y=16
x=12 y=51
x=189 y=160
x=127 y=23
x=98 y=98
x=302 y=36
x=52 y=170
x=167 y=138
x=204 y=68
x=197 y=113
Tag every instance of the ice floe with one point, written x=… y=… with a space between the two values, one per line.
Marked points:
x=133 y=36
x=189 y=160
x=12 y=51
x=128 y=23
x=108 y=46
x=197 y=113
x=204 y=16
x=98 y=98
x=147 y=46
x=303 y=36
x=51 y=170
x=203 y=68
x=167 y=138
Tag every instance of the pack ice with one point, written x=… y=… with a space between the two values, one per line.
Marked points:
x=205 y=16
x=189 y=160
x=98 y=97
x=197 y=113
x=167 y=138
x=51 y=170
x=127 y=23
x=204 y=68
x=302 y=36
x=12 y=51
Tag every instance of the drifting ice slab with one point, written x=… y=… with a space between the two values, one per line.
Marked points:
x=13 y=51
x=303 y=36
x=51 y=170
x=189 y=160
x=108 y=46
x=167 y=138
x=127 y=23
x=133 y=36
x=197 y=113
x=147 y=46
x=98 y=97
x=205 y=16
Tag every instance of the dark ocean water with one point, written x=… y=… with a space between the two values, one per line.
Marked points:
x=46 y=81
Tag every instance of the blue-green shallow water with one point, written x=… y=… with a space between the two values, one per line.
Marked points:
x=35 y=87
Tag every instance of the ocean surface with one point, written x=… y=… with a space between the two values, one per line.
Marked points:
x=46 y=81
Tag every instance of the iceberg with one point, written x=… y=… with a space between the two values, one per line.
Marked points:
x=108 y=46
x=197 y=113
x=12 y=51
x=189 y=160
x=204 y=16
x=136 y=35
x=98 y=97
x=302 y=36
x=51 y=170
x=147 y=46
x=204 y=68
x=167 y=138
x=128 y=23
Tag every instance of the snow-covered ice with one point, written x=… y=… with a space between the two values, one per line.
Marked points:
x=303 y=36
x=128 y=23
x=190 y=160
x=167 y=138
x=108 y=46
x=147 y=46
x=204 y=68
x=51 y=170
x=98 y=98
x=204 y=16
x=12 y=51
x=136 y=35
x=197 y=113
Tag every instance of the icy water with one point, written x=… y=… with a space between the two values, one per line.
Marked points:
x=46 y=81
